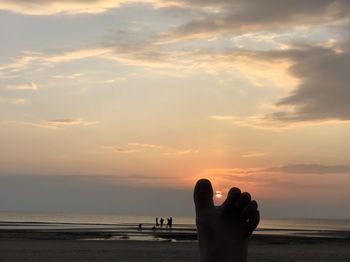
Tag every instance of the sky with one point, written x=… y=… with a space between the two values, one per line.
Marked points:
x=121 y=105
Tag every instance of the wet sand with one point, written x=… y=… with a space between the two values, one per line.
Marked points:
x=29 y=242
x=29 y=250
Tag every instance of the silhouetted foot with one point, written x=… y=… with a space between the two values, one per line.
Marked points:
x=223 y=231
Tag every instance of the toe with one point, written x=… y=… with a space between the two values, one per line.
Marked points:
x=250 y=216
x=203 y=195
x=244 y=200
x=232 y=199
x=249 y=210
x=252 y=222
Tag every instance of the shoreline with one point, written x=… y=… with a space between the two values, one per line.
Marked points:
x=130 y=232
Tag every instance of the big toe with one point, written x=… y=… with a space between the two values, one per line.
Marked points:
x=203 y=195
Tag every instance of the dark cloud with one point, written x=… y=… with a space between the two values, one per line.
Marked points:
x=323 y=91
x=255 y=15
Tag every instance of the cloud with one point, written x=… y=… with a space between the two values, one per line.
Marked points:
x=71 y=76
x=144 y=145
x=255 y=15
x=323 y=92
x=255 y=121
x=284 y=169
x=254 y=154
x=39 y=7
x=318 y=74
x=284 y=180
x=71 y=7
x=53 y=124
x=312 y=169
x=21 y=61
x=180 y=152
x=56 y=123
x=134 y=147
x=13 y=101
x=27 y=86
x=222 y=118
x=27 y=58
x=19 y=101
x=143 y=53
x=123 y=150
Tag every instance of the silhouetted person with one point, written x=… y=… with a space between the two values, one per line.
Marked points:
x=140 y=227
x=161 y=222
x=157 y=224
x=170 y=222
x=223 y=231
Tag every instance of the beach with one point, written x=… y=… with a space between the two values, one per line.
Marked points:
x=53 y=242
x=29 y=250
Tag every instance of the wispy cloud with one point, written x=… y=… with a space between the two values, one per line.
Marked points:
x=285 y=179
x=26 y=86
x=123 y=150
x=180 y=152
x=27 y=58
x=135 y=147
x=21 y=61
x=253 y=154
x=311 y=169
x=222 y=118
x=145 y=145
x=71 y=76
x=19 y=101
x=13 y=101
x=72 y=7
x=56 y=123
x=37 y=7
x=53 y=124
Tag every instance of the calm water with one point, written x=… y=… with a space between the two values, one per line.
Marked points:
x=278 y=224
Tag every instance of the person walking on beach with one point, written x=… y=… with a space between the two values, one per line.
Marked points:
x=161 y=222
x=170 y=222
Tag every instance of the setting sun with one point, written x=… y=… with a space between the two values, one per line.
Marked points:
x=218 y=194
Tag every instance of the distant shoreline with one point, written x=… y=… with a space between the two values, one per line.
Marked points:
x=129 y=231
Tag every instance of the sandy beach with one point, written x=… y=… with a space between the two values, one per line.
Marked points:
x=19 y=250
x=50 y=242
